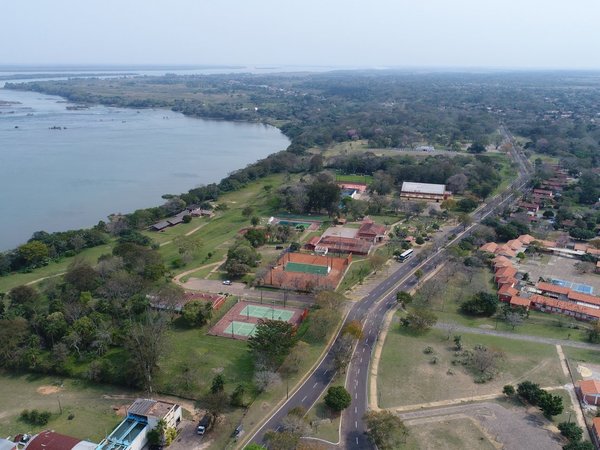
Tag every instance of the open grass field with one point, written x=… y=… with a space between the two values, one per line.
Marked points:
x=407 y=376
x=325 y=424
x=92 y=406
x=53 y=269
x=216 y=233
x=447 y=291
x=449 y=434
x=192 y=358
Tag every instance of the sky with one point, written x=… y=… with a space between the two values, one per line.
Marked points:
x=346 y=33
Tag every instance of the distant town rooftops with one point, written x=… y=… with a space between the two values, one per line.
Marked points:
x=424 y=188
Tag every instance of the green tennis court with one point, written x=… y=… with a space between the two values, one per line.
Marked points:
x=266 y=312
x=240 y=328
x=306 y=268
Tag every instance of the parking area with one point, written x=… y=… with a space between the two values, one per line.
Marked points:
x=188 y=439
x=558 y=267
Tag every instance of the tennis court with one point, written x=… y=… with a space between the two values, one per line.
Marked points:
x=266 y=312
x=583 y=288
x=240 y=328
x=306 y=268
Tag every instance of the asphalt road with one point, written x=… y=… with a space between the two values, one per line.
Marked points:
x=371 y=311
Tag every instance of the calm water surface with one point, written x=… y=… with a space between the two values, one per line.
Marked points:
x=107 y=160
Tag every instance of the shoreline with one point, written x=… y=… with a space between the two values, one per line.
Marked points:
x=152 y=204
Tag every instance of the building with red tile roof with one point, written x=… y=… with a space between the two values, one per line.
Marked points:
x=526 y=239
x=505 y=292
x=505 y=272
x=552 y=289
x=505 y=250
x=520 y=301
x=370 y=230
x=575 y=296
x=549 y=304
x=489 y=247
x=589 y=391
x=49 y=440
x=515 y=244
x=511 y=281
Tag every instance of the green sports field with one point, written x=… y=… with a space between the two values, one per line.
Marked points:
x=306 y=268
x=266 y=312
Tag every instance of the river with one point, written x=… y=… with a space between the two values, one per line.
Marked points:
x=104 y=160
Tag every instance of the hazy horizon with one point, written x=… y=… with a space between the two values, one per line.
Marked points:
x=465 y=34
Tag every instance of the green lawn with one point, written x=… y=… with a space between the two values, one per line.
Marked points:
x=358 y=270
x=53 y=269
x=192 y=358
x=367 y=179
x=325 y=424
x=92 y=406
x=446 y=292
x=407 y=375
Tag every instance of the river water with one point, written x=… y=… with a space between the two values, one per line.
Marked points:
x=105 y=160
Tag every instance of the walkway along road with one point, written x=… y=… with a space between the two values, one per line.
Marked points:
x=371 y=311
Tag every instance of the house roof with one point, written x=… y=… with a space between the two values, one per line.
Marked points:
x=546 y=244
x=501 y=258
x=565 y=305
x=542 y=191
x=490 y=247
x=371 y=229
x=584 y=298
x=506 y=272
x=589 y=387
x=507 y=289
x=581 y=247
x=526 y=239
x=511 y=281
x=593 y=251
x=423 y=188
x=520 y=301
x=515 y=244
x=549 y=287
x=596 y=423
x=49 y=440
x=505 y=250
x=148 y=407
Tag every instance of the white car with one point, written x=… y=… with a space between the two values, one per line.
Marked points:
x=227 y=283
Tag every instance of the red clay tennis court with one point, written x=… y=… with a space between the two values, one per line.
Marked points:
x=240 y=321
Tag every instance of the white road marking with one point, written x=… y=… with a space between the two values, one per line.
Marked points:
x=356 y=396
x=356 y=441
x=355 y=424
x=303 y=399
x=363 y=349
x=358 y=371
x=355 y=410
x=361 y=358
x=315 y=385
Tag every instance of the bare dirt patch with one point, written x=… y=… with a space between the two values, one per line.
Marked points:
x=49 y=390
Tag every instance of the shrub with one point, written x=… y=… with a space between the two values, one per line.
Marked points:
x=508 y=390
x=571 y=431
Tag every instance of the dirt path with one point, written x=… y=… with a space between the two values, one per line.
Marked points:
x=177 y=278
x=517 y=337
x=457 y=401
x=29 y=283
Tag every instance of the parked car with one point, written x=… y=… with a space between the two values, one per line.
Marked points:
x=227 y=282
x=205 y=424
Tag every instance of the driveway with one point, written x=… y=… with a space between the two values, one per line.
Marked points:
x=241 y=290
x=188 y=439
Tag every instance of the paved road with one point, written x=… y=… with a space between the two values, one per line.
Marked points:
x=516 y=337
x=371 y=311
